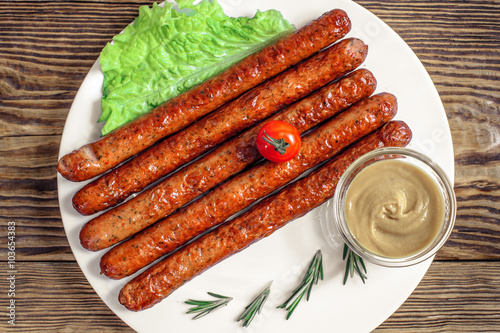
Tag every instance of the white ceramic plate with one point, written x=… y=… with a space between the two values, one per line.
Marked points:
x=282 y=257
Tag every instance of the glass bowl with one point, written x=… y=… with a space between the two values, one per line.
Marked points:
x=431 y=169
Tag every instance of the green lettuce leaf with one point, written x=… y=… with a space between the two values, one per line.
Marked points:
x=166 y=51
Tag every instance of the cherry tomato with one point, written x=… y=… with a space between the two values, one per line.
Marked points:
x=278 y=141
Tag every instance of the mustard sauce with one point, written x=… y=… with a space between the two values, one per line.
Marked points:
x=394 y=208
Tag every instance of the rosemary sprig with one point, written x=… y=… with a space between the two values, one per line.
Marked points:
x=314 y=272
x=353 y=264
x=205 y=307
x=255 y=307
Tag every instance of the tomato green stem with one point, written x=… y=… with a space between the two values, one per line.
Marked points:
x=279 y=145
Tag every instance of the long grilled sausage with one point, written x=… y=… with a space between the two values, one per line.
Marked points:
x=262 y=220
x=232 y=157
x=255 y=105
x=98 y=157
x=241 y=191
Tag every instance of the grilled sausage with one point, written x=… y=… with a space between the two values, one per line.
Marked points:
x=232 y=157
x=255 y=105
x=262 y=220
x=259 y=181
x=98 y=157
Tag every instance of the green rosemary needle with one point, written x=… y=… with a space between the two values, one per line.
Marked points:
x=205 y=307
x=255 y=307
x=353 y=264
x=314 y=272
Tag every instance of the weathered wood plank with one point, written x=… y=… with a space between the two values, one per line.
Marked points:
x=452 y=297
x=56 y=297
x=45 y=52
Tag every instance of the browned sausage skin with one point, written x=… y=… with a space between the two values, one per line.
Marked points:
x=229 y=198
x=246 y=110
x=262 y=220
x=98 y=157
x=232 y=157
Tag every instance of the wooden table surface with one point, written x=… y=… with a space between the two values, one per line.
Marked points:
x=47 y=48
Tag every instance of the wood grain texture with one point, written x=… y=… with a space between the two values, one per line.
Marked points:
x=457 y=297
x=465 y=301
x=56 y=297
x=47 y=48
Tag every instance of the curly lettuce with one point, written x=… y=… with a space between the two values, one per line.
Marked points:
x=166 y=51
